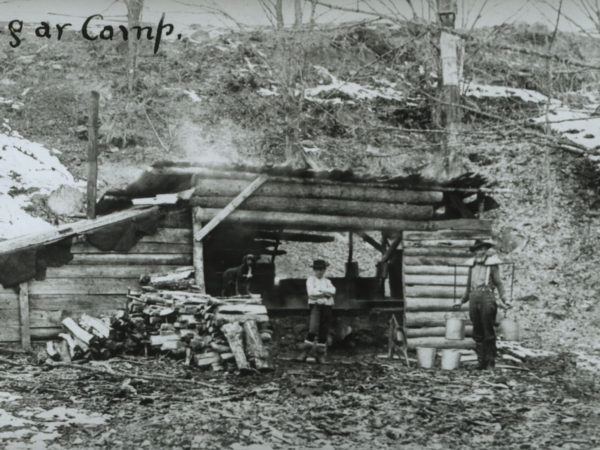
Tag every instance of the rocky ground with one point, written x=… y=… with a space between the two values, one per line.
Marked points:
x=356 y=401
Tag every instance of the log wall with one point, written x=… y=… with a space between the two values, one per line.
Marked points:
x=434 y=275
x=95 y=282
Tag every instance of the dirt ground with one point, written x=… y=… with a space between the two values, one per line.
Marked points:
x=356 y=401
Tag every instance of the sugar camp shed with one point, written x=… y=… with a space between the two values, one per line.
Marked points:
x=180 y=214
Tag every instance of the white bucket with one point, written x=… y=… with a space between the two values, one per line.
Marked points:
x=450 y=359
x=510 y=329
x=455 y=328
x=426 y=357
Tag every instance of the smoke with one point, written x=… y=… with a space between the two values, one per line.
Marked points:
x=217 y=144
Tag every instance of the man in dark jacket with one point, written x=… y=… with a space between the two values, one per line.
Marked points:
x=484 y=276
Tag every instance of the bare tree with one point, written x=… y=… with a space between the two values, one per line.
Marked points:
x=134 y=13
x=591 y=9
x=298 y=13
x=273 y=9
x=313 y=12
x=279 y=13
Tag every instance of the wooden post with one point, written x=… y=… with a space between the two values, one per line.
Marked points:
x=447 y=10
x=92 y=157
x=198 y=249
x=24 y=316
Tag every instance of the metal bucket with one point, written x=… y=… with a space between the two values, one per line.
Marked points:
x=450 y=359
x=455 y=328
x=426 y=357
x=510 y=329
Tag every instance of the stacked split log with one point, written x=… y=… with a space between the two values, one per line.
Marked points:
x=435 y=275
x=207 y=332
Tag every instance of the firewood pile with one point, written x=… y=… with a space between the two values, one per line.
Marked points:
x=204 y=331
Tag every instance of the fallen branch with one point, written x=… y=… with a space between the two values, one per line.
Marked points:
x=122 y=374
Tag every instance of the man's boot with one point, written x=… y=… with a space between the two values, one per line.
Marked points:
x=321 y=353
x=481 y=355
x=491 y=355
x=307 y=349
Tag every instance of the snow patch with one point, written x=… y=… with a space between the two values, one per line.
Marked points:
x=488 y=91
x=26 y=169
x=338 y=90
x=344 y=92
x=193 y=96
x=576 y=125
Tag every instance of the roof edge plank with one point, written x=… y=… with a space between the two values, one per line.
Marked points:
x=71 y=229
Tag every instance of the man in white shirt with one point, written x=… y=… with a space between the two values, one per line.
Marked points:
x=321 y=294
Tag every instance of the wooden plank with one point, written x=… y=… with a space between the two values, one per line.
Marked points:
x=429 y=319
x=24 y=316
x=140 y=247
x=72 y=229
x=138 y=259
x=10 y=332
x=456 y=233
x=433 y=331
x=230 y=208
x=82 y=286
x=438 y=252
x=435 y=291
x=442 y=280
x=294 y=237
x=107 y=271
x=447 y=243
x=436 y=261
x=9 y=298
x=170 y=235
x=440 y=342
x=431 y=304
x=344 y=223
x=42 y=318
x=435 y=270
x=11 y=302
x=10 y=316
x=77 y=302
x=325 y=206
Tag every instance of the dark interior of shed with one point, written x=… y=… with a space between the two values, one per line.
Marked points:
x=226 y=246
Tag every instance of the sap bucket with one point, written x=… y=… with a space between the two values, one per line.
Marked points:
x=455 y=327
x=426 y=357
x=510 y=329
x=450 y=359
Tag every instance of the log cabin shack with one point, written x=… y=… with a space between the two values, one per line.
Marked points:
x=180 y=214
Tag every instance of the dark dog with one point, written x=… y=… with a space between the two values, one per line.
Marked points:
x=236 y=280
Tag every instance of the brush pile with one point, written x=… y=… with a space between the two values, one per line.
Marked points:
x=204 y=331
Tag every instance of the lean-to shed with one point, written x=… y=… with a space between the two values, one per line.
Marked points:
x=178 y=215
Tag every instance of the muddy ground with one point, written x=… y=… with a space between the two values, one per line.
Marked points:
x=355 y=402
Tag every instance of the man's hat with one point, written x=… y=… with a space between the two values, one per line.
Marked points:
x=479 y=243
x=319 y=264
